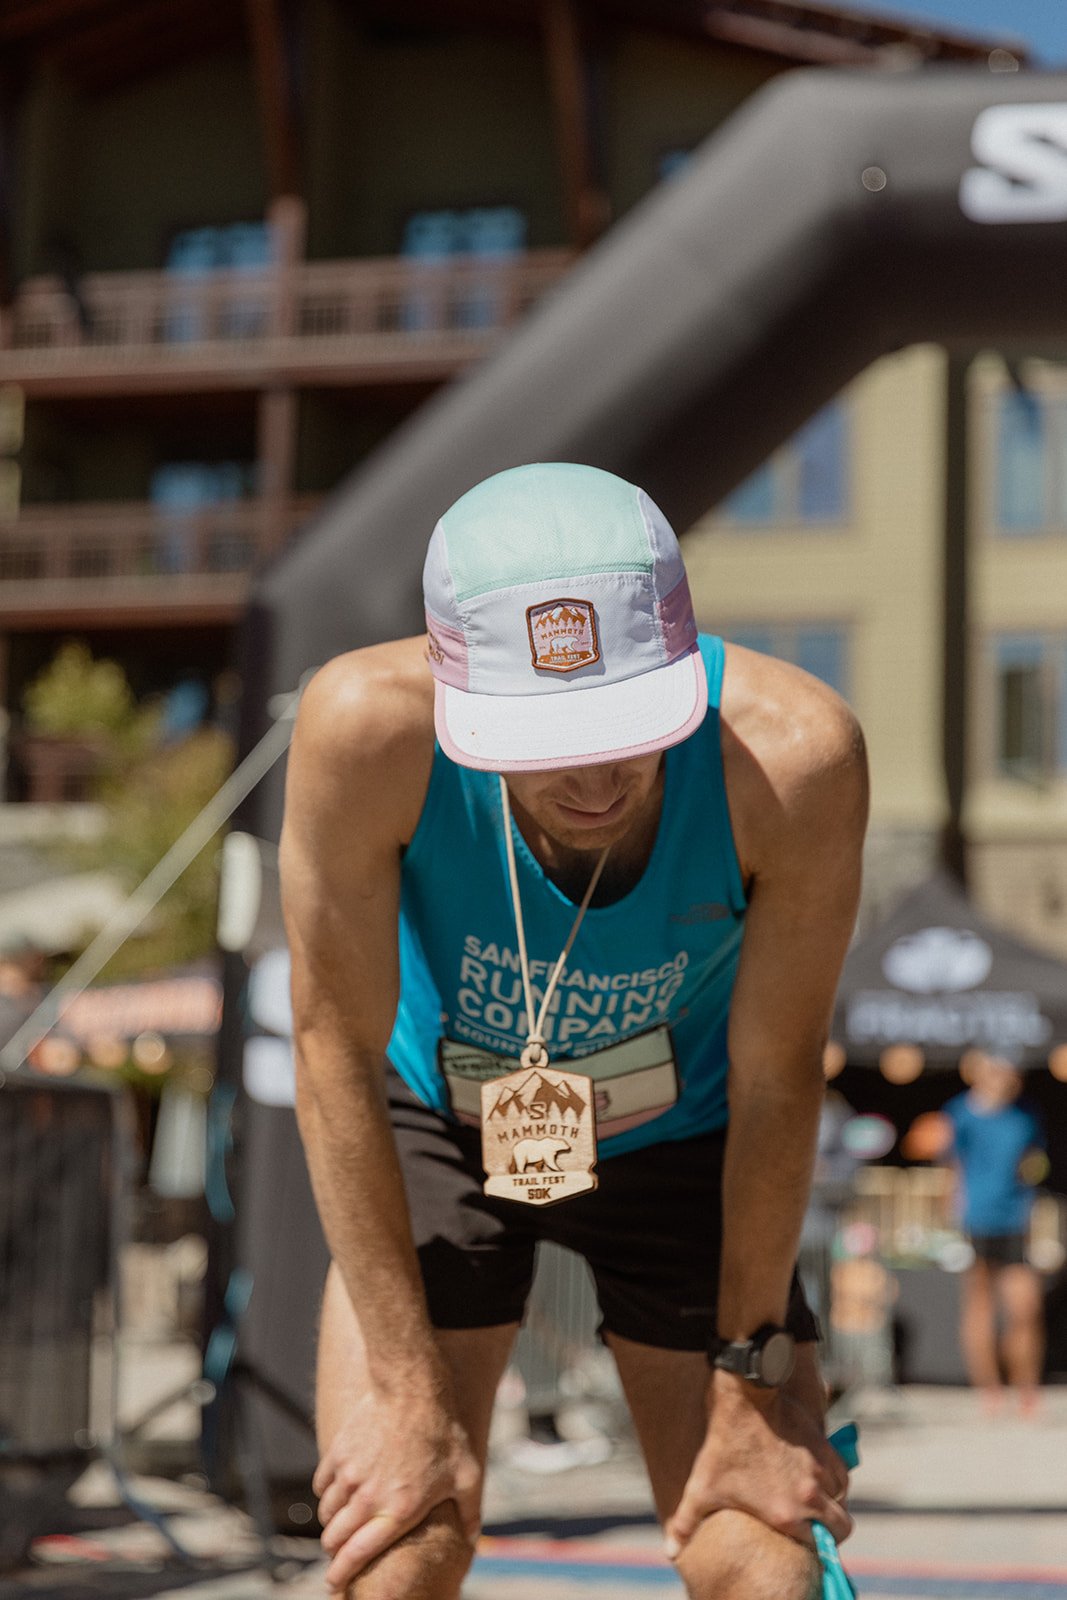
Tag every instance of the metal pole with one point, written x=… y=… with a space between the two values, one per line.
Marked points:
x=955 y=673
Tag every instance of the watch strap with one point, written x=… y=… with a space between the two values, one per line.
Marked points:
x=742 y=1357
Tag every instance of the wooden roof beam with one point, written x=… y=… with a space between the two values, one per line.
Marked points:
x=813 y=30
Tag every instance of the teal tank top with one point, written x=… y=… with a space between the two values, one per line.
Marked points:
x=643 y=1003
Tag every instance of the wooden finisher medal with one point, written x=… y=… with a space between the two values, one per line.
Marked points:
x=539 y=1135
x=539 y=1124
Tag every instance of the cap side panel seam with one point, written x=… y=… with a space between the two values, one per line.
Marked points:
x=642 y=503
x=587 y=569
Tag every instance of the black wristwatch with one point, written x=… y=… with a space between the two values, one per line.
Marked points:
x=766 y=1359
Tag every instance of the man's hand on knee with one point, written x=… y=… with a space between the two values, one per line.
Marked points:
x=767 y=1455
x=429 y=1563
x=733 y=1556
x=388 y=1467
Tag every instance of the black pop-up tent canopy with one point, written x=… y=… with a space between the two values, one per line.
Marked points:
x=938 y=975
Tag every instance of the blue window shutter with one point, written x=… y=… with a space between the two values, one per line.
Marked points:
x=821 y=651
x=754 y=500
x=753 y=636
x=822 y=451
x=1021 y=445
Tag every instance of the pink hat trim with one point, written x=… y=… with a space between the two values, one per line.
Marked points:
x=447 y=650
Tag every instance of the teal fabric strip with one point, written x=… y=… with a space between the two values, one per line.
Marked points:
x=836 y=1583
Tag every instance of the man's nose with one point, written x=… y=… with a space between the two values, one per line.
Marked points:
x=595 y=788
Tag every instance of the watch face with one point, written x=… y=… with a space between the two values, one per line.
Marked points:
x=776 y=1359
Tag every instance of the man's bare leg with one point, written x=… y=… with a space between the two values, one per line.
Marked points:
x=978 y=1331
x=1024 y=1334
x=430 y=1562
x=733 y=1556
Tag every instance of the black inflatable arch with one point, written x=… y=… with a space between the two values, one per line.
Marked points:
x=838 y=216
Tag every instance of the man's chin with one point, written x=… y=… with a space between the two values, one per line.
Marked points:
x=591 y=835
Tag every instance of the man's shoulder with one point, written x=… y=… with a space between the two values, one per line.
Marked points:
x=377 y=700
x=785 y=713
x=789 y=731
x=364 y=733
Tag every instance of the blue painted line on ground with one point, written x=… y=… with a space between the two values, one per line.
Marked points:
x=637 y=1577
x=960 y=1588
x=599 y=1572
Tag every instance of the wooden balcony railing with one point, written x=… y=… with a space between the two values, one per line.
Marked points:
x=328 y=321
x=93 y=553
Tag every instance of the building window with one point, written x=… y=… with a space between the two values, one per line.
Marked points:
x=820 y=648
x=806 y=481
x=490 y=236
x=1030 y=438
x=673 y=161
x=1031 y=698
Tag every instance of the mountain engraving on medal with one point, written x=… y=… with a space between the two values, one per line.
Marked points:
x=538 y=1135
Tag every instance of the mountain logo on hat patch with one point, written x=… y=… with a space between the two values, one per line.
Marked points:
x=563 y=635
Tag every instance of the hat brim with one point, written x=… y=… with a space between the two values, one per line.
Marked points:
x=583 y=728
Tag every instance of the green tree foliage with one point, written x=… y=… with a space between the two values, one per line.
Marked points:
x=80 y=698
x=150 y=792
x=150 y=804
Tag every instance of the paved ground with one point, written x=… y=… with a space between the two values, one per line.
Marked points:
x=948 y=1505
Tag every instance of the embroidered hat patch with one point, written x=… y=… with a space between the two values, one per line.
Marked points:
x=563 y=635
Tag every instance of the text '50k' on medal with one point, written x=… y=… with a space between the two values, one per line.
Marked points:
x=538 y=1135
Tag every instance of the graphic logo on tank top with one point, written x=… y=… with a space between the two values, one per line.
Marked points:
x=563 y=635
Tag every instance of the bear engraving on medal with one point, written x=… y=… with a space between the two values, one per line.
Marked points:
x=537 y=1155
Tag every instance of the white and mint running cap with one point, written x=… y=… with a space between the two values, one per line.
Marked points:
x=561 y=630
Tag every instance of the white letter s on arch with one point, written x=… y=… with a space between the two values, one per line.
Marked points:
x=1024 y=143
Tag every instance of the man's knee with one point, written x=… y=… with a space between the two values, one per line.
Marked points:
x=429 y=1563
x=733 y=1556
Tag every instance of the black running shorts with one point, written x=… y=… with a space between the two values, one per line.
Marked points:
x=649 y=1231
x=999 y=1249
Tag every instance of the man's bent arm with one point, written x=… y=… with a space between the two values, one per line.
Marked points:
x=358 y=772
x=799 y=808
x=802 y=909
x=341 y=869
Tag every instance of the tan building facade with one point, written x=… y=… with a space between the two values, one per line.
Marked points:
x=1016 y=812
x=868 y=583
x=859 y=598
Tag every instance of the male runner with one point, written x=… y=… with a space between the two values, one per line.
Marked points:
x=728 y=791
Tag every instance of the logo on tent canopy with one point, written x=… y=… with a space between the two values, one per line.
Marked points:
x=938 y=960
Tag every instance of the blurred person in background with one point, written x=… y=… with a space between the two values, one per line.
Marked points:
x=707 y=804
x=997 y=1145
x=863 y=1293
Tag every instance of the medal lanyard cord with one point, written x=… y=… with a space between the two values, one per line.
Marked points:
x=536 y=1053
